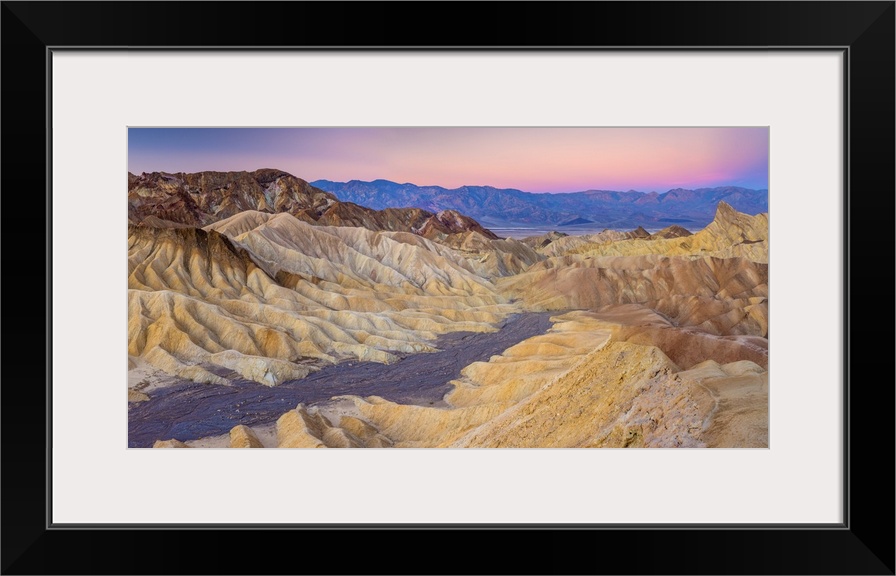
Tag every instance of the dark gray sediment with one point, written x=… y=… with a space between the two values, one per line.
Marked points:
x=190 y=411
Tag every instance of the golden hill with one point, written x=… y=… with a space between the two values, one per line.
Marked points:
x=283 y=293
x=667 y=343
x=583 y=384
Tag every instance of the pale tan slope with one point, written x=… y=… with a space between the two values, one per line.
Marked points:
x=741 y=416
x=198 y=299
x=522 y=369
x=498 y=258
x=685 y=346
x=493 y=258
x=720 y=295
x=470 y=251
x=569 y=244
x=576 y=386
x=364 y=257
x=485 y=257
x=587 y=406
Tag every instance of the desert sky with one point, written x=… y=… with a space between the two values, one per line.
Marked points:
x=528 y=159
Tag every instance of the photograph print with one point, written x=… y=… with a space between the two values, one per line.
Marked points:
x=448 y=287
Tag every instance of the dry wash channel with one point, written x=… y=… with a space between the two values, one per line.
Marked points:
x=189 y=411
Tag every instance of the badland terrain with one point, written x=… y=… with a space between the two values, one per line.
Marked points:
x=264 y=311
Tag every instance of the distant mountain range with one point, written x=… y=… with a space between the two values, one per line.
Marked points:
x=497 y=207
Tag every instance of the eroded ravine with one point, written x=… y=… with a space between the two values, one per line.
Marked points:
x=189 y=411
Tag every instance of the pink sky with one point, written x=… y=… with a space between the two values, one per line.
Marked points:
x=529 y=159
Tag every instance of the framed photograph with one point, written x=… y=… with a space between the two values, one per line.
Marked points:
x=86 y=85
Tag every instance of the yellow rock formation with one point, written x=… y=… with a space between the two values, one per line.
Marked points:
x=136 y=396
x=308 y=428
x=282 y=293
x=169 y=444
x=721 y=295
x=668 y=346
x=243 y=437
x=583 y=385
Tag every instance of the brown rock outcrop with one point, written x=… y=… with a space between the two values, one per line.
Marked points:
x=674 y=231
x=160 y=199
x=201 y=198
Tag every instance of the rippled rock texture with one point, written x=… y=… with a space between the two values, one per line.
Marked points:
x=242 y=283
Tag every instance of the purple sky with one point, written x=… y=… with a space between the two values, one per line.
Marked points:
x=529 y=159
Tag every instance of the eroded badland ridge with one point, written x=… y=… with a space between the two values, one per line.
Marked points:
x=259 y=278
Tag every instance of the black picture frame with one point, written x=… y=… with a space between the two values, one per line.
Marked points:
x=864 y=544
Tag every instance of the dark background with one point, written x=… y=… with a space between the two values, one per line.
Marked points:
x=864 y=546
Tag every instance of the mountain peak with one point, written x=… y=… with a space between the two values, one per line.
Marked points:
x=725 y=211
x=268 y=175
x=602 y=208
x=737 y=227
x=201 y=198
